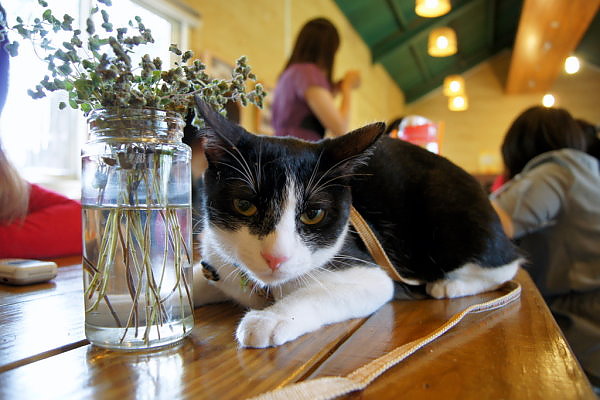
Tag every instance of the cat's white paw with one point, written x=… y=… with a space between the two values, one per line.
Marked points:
x=263 y=328
x=450 y=288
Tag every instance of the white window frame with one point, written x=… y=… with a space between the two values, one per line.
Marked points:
x=66 y=178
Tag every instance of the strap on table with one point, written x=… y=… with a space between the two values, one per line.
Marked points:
x=333 y=386
x=376 y=250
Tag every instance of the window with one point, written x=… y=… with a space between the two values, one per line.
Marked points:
x=42 y=141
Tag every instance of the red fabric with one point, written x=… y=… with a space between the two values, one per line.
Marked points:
x=52 y=228
x=498 y=182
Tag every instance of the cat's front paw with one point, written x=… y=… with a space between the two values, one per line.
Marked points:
x=449 y=289
x=263 y=328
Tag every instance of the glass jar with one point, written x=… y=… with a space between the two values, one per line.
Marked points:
x=137 y=228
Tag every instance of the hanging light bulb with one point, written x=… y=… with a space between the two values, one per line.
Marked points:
x=442 y=42
x=572 y=65
x=458 y=103
x=454 y=85
x=548 y=100
x=432 y=8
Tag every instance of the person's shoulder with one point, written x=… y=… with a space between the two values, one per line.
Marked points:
x=305 y=69
x=567 y=158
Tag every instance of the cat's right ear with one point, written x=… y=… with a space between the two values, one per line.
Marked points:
x=354 y=147
x=219 y=133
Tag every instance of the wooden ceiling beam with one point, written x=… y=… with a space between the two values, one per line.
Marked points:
x=418 y=90
x=400 y=20
x=549 y=31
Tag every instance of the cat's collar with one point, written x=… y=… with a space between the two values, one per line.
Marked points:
x=210 y=272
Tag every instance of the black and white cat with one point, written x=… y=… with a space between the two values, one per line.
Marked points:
x=275 y=218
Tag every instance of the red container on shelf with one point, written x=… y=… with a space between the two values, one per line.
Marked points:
x=420 y=131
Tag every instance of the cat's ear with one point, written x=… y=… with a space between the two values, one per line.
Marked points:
x=219 y=133
x=354 y=147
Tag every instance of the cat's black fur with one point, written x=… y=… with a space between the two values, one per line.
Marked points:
x=275 y=213
x=431 y=216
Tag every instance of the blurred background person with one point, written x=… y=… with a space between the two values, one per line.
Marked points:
x=551 y=206
x=592 y=137
x=303 y=101
x=34 y=222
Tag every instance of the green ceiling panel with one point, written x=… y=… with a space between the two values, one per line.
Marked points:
x=371 y=19
x=589 y=48
x=402 y=67
x=397 y=37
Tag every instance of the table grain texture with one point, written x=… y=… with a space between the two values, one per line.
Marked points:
x=516 y=352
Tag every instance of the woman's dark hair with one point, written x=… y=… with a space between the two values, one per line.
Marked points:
x=538 y=130
x=592 y=137
x=317 y=43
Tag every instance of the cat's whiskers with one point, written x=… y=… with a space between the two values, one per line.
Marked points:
x=304 y=279
x=346 y=260
x=328 y=183
x=245 y=170
x=313 y=174
x=315 y=278
x=246 y=181
x=328 y=172
x=234 y=274
x=258 y=167
x=244 y=176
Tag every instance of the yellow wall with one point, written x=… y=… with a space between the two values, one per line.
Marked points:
x=481 y=128
x=265 y=30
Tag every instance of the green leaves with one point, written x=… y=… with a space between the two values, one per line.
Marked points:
x=98 y=73
x=12 y=48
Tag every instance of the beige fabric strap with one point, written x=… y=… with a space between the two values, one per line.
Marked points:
x=334 y=386
x=375 y=249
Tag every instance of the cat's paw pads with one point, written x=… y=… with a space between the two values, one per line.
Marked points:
x=448 y=289
x=262 y=328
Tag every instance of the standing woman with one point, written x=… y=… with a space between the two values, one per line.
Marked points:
x=34 y=222
x=303 y=103
x=551 y=205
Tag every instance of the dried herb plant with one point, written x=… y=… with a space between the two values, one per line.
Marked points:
x=94 y=68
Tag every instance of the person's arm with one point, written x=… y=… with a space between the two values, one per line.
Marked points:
x=51 y=229
x=322 y=103
x=531 y=201
x=505 y=219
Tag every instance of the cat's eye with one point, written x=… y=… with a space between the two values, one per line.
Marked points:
x=312 y=216
x=244 y=207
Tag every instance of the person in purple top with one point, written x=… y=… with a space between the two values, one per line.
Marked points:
x=303 y=102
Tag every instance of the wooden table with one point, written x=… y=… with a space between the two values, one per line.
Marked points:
x=516 y=352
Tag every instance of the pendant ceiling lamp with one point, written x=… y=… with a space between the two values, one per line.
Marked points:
x=572 y=65
x=454 y=85
x=432 y=8
x=442 y=42
x=458 y=103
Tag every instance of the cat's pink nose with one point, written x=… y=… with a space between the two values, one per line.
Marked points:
x=273 y=261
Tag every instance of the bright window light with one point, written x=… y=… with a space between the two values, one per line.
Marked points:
x=42 y=141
